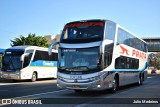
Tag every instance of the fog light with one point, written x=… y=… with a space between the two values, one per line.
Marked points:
x=98 y=86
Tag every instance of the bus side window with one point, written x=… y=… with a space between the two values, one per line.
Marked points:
x=38 y=56
x=123 y=62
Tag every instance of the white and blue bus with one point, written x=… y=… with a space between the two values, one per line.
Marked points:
x=98 y=55
x=29 y=62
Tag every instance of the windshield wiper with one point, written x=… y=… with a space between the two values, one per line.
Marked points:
x=76 y=68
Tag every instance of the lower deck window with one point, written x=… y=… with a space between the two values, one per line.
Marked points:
x=123 y=62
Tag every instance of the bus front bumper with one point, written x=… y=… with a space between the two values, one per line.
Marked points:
x=94 y=85
x=14 y=76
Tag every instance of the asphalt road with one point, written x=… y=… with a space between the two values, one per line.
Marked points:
x=10 y=89
x=48 y=93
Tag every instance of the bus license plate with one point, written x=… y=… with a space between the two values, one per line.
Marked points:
x=75 y=77
x=8 y=77
x=76 y=86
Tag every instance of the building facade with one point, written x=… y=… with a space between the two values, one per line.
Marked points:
x=53 y=38
x=153 y=44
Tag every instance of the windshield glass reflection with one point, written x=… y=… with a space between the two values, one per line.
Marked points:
x=79 y=59
x=11 y=60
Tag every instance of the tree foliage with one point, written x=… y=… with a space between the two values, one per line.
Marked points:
x=154 y=60
x=32 y=39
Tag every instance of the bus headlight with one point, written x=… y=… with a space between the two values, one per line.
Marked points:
x=60 y=78
x=94 y=78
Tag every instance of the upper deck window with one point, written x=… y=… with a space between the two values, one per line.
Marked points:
x=126 y=38
x=81 y=32
x=110 y=31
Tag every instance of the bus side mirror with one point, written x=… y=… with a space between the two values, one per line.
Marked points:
x=51 y=46
x=23 y=56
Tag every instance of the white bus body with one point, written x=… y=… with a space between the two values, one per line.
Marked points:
x=98 y=55
x=29 y=62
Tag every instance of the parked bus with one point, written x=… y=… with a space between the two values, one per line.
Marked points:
x=29 y=62
x=98 y=55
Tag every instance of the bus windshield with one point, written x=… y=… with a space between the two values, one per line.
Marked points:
x=86 y=59
x=82 y=32
x=11 y=60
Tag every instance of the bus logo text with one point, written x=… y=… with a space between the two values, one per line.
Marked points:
x=135 y=53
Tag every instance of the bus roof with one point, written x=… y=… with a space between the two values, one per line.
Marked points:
x=23 y=48
x=20 y=48
x=89 y=20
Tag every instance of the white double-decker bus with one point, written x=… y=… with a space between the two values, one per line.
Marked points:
x=29 y=62
x=98 y=55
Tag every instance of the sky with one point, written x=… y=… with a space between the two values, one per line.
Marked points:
x=48 y=17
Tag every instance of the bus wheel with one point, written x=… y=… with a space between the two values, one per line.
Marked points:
x=140 y=80
x=77 y=91
x=34 y=77
x=115 y=85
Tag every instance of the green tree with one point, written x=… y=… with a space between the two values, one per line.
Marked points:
x=154 y=60
x=31 y=39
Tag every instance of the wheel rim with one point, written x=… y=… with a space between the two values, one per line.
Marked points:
x=114 y=85
x=139 y=81
x=34 y=77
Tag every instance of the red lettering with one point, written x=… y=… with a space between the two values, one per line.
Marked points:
x=84 y=24
x=99 y=24
x=90 y=24
x=142 y=55
x=137 y=54
x=133 y=52
x=145 y=56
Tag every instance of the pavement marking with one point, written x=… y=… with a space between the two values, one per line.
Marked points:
x=110 y=96
x=34 y=95
x=37 y=82
x=40 y=94
x=149 y=77
x=1 y=84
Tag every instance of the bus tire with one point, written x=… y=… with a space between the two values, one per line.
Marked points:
x=115 y=85
x=34 y=77
x=77 y=91
x=140 y=80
